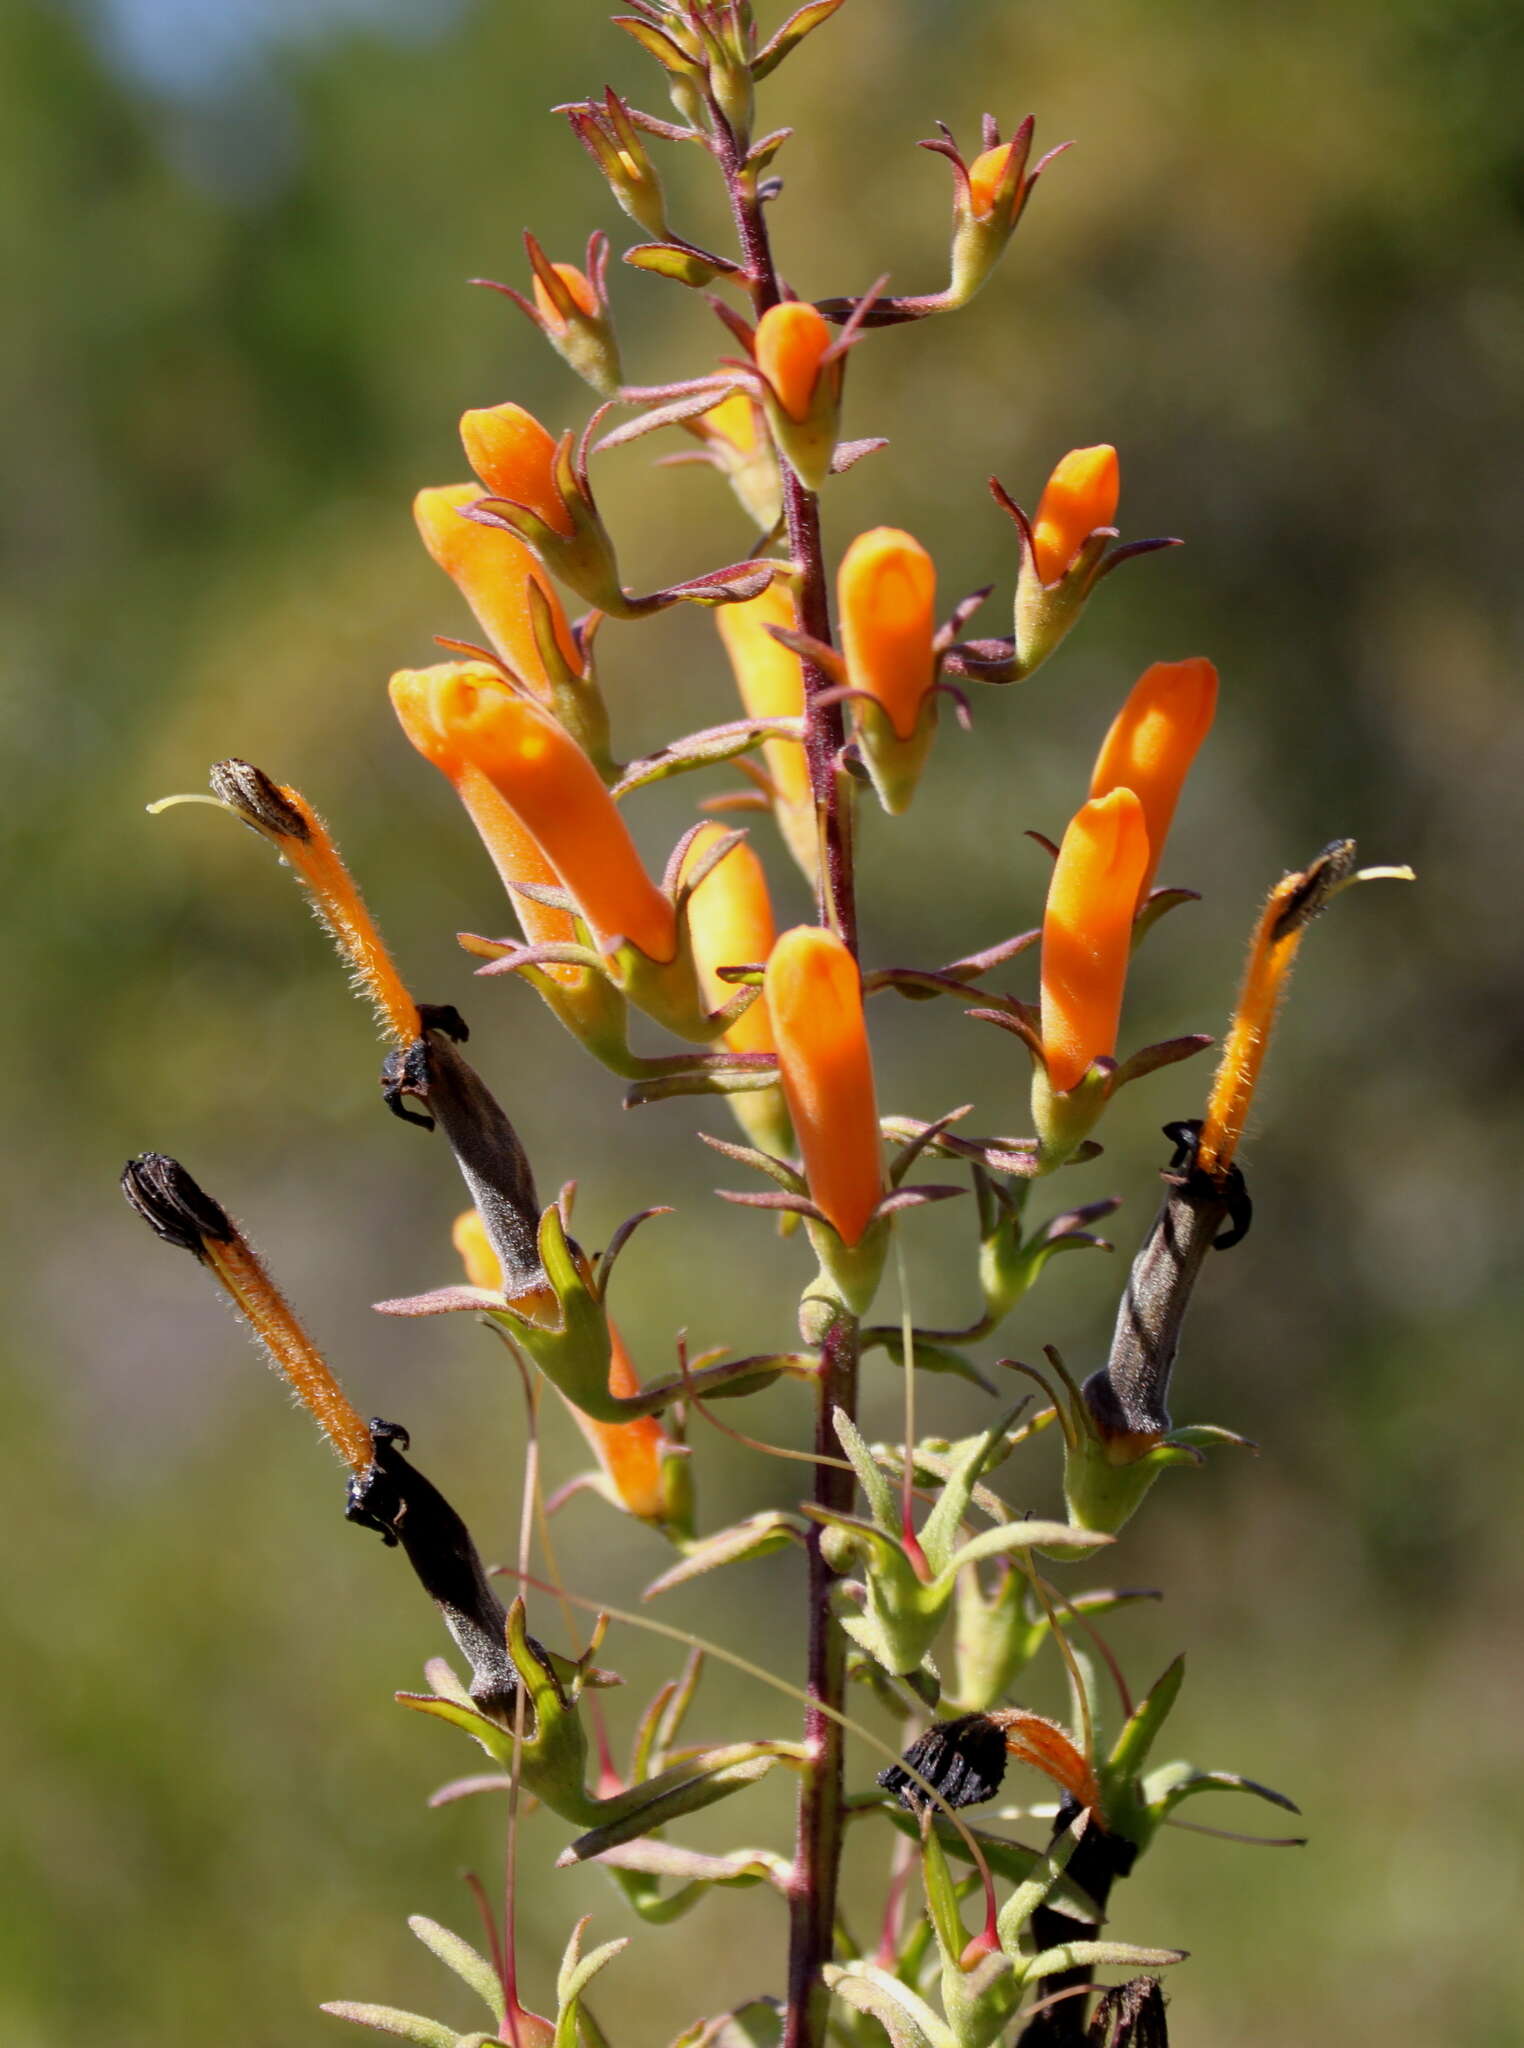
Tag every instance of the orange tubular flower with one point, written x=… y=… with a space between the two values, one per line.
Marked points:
x=886 y=591
x=1087 y=933
x=771 y=684
x=556 y=794
x=513 y=852
x=730 y=920
x=628 y=1453
x=1079 y=496
x=1152 y=743
x=791 y=339
x=493 y=571
x=516 y=459
x=815 y=1000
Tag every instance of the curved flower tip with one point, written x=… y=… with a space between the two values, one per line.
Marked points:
x=730 y=921
x=1080 y=495
x=557 y=796
x=1152 y=743
x=515 y=458
x=1087 y=933
x=511 y=848
x=887 y=592
x=493 y=570
x=791 y=340
x=815 y=1000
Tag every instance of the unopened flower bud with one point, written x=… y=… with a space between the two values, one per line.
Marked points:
x=1087 y=934
x=1079 y=497
x=886 y=595
x=814 y=997
x=730 y=923
x=802 y=371
x=771 y=684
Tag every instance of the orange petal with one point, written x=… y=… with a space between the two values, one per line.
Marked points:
x=512 y=850
x=1153 y=741
x=730 y=920
x=555 y=792
x=1080 y=495
x=516 y=459
x=984 y=175
x=1087 y=933
x=630 y=1453
x=770 y=680
x=493 y=571
x=790 y=341
x=580 y=290
x=815 y=998
x=886 y=592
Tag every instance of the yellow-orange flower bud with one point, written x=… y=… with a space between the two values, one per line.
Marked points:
x=791 y=339
x=629 y=1453
x=1087 y=933
x=1079 y=496
x=511 y=848
x=730 y=920
x=556 y=793
x=886 y=592
x=1152 y=743
x=493 y=570
x=516 y=459
x=986 y=172
x=733 y=420
x=771 y=684
x=580 y=290
x=815 y=1000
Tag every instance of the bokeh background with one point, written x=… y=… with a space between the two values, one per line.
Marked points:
x=1282 y=273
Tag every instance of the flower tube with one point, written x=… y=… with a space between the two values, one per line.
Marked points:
x=730 y=924
x=1080 y=496
x=815 y=1001
x=771 y=683
x=415 y=694
x=1152 y=742
x=1087 y=934
x=886 y=593
x=494 y=571
x=557 y=796
x=515 y=457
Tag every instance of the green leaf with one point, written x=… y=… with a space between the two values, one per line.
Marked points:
x=684 y=1789
x=908 y=2020
x=386 y=2019
x=469 y=1964
x=875 y=1486
x=1022 y=1536
x=1164 y=1788
x=942 y=1899
x=791 y=35
x=758 y=1536
x=1099 y=1955
x=683 y=266
x=940 y=1535
x=1142 y=1730
x=576 y=1973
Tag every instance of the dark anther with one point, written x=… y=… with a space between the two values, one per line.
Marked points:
x=964 y=1760
x=405 y=1071
x=444 y=1018
x=1130 y=2016
x=249 y=791
x=1240 y=1212
x=173 y=1205
x=1321 y=878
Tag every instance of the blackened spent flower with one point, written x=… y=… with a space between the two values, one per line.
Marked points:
x=963 y=1761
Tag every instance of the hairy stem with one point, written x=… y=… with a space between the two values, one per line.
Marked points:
x=818 y=1832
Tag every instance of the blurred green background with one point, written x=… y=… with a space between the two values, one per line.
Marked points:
x=1282 y=273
